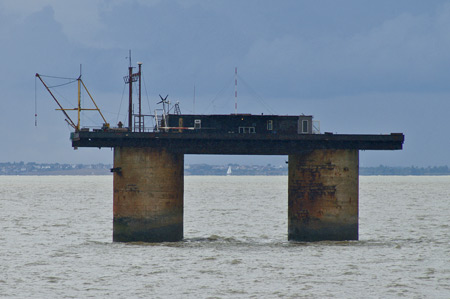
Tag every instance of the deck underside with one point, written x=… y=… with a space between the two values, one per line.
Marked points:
x=237 y=144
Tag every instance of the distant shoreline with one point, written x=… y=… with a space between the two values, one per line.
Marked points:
x=39 y=169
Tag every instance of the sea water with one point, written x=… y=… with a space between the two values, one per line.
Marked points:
x=56 y=242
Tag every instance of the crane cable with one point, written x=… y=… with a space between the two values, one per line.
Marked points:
x=55 y=77
x=257 y=96
x=62 y=84
x=228 y=84
x=121 y=100
x=148 y=100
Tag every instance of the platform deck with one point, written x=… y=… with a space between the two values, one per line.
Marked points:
x=237 y=144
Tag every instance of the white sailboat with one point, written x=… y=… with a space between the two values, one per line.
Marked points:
x=229 y=170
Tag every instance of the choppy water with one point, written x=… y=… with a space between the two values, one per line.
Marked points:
x=56 y=232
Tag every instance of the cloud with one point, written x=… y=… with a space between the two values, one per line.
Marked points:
x=80 y=20
x=401 y=53
x=326 y=60
x=22 y=9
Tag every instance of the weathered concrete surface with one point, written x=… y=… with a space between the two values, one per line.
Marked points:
x=323 y=195
x=148 y=195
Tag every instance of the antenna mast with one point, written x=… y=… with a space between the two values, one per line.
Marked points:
x=140 y=90
x=129 y=80
x=79 y=100
x=130 y=94
x=235 y=90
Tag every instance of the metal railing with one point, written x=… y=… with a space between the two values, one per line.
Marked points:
x=316 y=127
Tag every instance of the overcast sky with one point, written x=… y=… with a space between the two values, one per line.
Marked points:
x=358 y=66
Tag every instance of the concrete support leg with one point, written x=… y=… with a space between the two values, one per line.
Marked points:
x=148 y=195
x=323 y=195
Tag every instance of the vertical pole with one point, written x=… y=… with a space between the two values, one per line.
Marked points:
x=235 y=90
x=130 y=102
x=79 y=102
x=140 y=111
x=35 y=102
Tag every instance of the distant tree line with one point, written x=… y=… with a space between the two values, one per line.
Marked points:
x=236 y=169
x=31 y=168
x=412 y=170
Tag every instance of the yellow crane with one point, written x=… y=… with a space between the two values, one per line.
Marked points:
x=76 y=126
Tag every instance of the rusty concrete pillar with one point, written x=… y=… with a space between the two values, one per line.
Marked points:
x=148 y=195
x=323 y=195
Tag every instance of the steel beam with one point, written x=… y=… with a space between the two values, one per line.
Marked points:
x=237 y=144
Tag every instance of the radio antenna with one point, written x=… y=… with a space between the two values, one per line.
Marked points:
x=35 y=102
x=129 y=57
x=235 y=90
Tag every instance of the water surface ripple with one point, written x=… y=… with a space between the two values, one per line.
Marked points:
x=56 y=241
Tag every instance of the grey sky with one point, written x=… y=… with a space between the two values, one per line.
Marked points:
x=357 y=66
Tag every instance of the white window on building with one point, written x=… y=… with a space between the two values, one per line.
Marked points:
x=305 y=128
x=269 y=125
x=197 y=124
x=247 y=130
